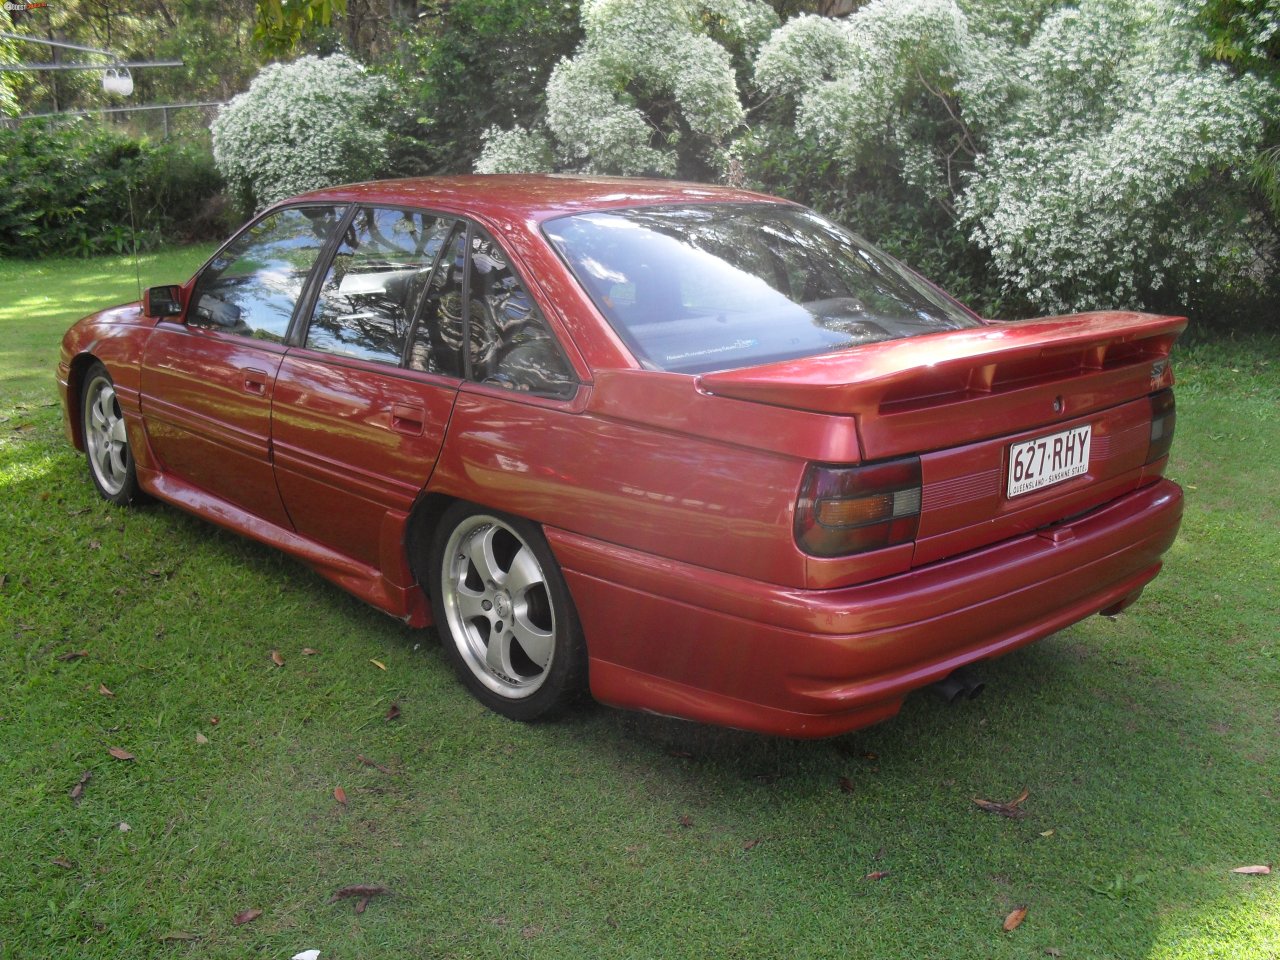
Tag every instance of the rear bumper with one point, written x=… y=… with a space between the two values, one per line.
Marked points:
x=682 y=640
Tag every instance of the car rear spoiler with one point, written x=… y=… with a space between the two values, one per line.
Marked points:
x=957 y=365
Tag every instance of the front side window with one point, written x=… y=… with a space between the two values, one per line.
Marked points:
x=711 y=287
x=252 y=286
x=370 y=295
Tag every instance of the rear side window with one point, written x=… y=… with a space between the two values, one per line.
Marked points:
x=476 y=298
x=379 y=276
x=711 y=287
x=514 y=348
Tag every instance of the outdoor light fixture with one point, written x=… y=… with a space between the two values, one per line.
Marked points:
x=118 y=80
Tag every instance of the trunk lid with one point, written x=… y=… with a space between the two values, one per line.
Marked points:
x=963 y=400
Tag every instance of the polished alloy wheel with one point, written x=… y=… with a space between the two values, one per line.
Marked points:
x=497 y=606
x=104 y=436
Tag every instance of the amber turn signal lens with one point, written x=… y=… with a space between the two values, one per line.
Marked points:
x=855 y=513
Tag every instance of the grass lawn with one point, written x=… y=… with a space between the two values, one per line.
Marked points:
x=1149 y=748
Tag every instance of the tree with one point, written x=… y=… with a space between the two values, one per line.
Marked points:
x=473 y=64
x=282 y=24
x=652 y=88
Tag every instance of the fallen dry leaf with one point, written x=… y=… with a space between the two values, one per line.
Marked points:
x=1015 y=918
x=680 y=754
x=177 y=936
x=309 y=652
x=1052 y=952
x=1046 y=833
x=63 y=862
x=340 y=795
x=1011 y=809
x=751 y=844
x=77 y=791
x=201 y=738
x=871 y=756
x=686 y=820
x=73 y=655
x=377 y=766
x=876 y=875
x=102 y=689
x=246 y=916
x=846 y=785
x=379 y=664
x=276 y=658
x=120 y=753
x=1261 y=869
x=393 y=713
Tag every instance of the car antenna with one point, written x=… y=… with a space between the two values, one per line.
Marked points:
x=133 y=234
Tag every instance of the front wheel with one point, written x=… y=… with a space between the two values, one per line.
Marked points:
x=504 y=614
x=105 y=441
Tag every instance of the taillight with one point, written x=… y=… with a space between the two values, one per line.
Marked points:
x=844 y=510
x=1163 y=418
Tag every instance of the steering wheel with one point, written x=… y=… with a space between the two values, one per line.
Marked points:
x=482 y=336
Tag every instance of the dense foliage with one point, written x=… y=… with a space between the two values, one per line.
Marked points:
x=1045 y=156
x=1032 y=155
x=80 y=189
x=302 y=125
x=473 y=65
x=651 y=89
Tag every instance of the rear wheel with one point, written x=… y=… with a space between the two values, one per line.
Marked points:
x=504 y=613
x=105 y=440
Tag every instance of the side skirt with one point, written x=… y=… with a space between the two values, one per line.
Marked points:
x=406 y=603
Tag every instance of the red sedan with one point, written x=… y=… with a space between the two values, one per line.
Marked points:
x=696 y=450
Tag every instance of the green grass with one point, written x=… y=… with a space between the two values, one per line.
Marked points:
x=1149 y=747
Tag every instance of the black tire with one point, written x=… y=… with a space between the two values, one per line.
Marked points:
x=504 y=614
x=106 y=442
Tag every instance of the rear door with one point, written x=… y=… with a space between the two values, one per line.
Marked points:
x=361 y=406
x=412 y=306
x=208 y=377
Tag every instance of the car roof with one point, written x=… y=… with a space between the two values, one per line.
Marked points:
x=534 y=197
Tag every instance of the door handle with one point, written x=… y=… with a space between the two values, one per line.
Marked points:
x=408 y=418
x=254 y=381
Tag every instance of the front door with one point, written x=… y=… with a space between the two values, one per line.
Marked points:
x=208 y=377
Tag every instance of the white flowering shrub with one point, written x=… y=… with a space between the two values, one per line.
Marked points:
x=649 y=74
x=300 y=126
x=1119 y=171
x=514 y=151
x=1087 y=149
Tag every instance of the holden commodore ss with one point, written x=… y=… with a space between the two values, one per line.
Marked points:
x=692 y=449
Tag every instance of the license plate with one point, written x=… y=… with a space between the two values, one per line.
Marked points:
x=1039 y=463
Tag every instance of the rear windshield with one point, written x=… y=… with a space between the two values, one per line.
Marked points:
x=711 y=287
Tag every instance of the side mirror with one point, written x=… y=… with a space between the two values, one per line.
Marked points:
x=162 y=302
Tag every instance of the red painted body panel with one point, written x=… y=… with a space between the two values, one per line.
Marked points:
x=352 y=442
x=670 y=500
x=964 y=487
x=207 y=409
x=811 y=663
